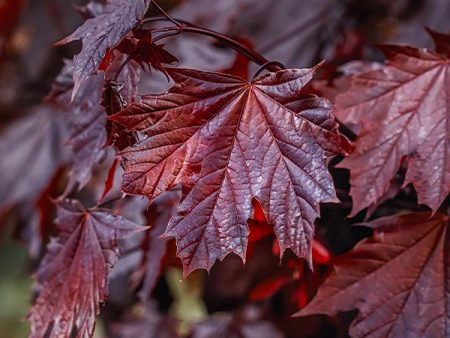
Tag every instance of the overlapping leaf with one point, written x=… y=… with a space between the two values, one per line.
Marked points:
x=86 y=117
x=73 y=276
x=405 y=113
x=230 y=141
x=102 y=32
x=398 y=280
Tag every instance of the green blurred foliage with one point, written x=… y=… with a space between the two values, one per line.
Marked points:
x=15 y=287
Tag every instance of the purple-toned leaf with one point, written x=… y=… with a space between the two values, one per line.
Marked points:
x=102 y=32
x=230 y=141
x=404 y=112
x=86 y=117
x=73 y=276
x=398 y=280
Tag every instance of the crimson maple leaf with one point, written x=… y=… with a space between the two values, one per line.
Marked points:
x=229 y=141
x=398 y=280
x=73 y=276
x=102 y=32
x=404 y=112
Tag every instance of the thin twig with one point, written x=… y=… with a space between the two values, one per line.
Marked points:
x=165 y=14
x=122 y=66
x=266 y=66
x=187 y=27
x=108 y=201
x=166 y=35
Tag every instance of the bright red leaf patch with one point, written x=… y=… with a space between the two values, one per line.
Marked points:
x=230 y=141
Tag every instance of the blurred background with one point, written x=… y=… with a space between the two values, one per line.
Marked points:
x=33 y=153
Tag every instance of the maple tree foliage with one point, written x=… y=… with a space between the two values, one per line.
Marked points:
x=401 y=287
x=102 y=32
x=73 y=276
x=245 y=138
x=404 y=113
x=231 y=141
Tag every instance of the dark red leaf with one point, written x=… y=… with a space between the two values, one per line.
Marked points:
x=126 y=46
x=102 y=32
x=404 y=112
x=142 y=50
x=398 y=280
x=86 y=117
x=232 y=141
x=73 y=276
x=152 y=54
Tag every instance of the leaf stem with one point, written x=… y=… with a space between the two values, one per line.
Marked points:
x=122 y=66
x=186 y=27
x=102 y=204
x=165 y=14
x=267 y=65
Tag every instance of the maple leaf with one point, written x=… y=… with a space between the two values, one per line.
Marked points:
x=230 y=141
x=404 y=113
x=73 y=276
x=144 y=51
x=86 y=120
x=102 y=32
x=141 y=49
x=397 y=280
